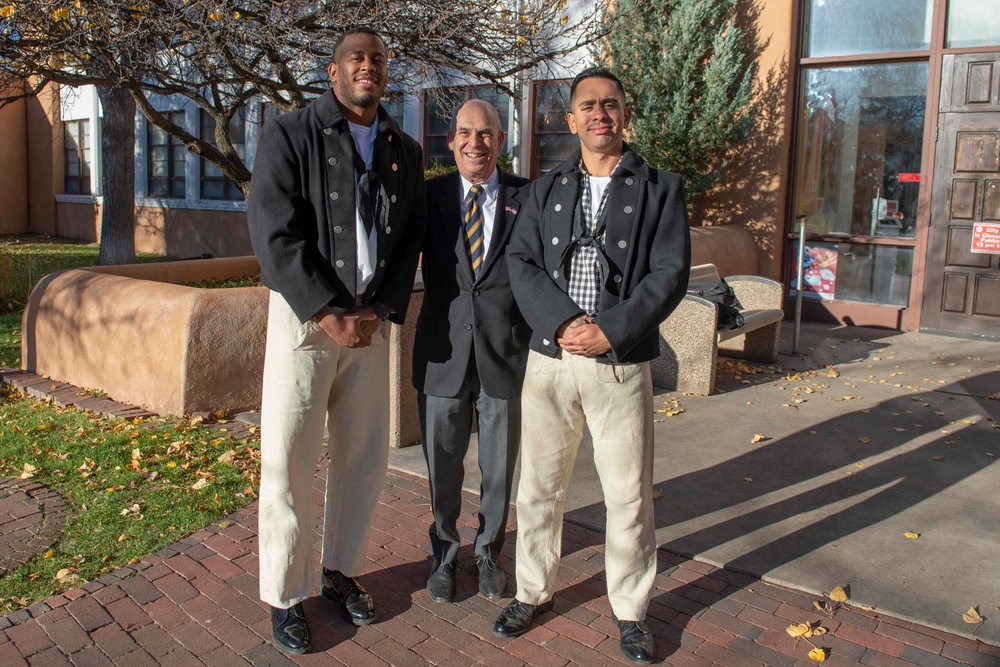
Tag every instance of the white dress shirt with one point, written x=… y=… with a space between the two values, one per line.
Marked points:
x=488 y=205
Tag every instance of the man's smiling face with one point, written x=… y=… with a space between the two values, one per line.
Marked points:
x=476 y=141
x=359 y=70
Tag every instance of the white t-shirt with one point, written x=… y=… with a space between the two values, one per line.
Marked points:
x=598 y=184
x=364 y=140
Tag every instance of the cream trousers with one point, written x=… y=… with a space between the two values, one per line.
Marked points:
x=615 y=402
x=309 y=382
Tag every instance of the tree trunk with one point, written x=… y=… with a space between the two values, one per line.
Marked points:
x=118 y=161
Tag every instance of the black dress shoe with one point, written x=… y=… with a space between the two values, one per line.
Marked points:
x=492 y=580
x=516 y=619
x=289 y=629
x=441 y=584
x=636 y=641
x=352 y=599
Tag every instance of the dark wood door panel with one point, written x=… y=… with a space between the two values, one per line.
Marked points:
x=962 y=288
x=986 y=299
x=970 y=82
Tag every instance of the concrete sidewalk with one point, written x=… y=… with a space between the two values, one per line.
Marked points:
x=195 y=603
x=867 y=435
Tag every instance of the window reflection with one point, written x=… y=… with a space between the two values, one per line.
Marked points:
x=851 y=27
x=855 y=272
x=973 y=23
x=859 y=149
x=553 y=141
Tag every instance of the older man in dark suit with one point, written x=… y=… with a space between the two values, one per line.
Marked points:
x=471 y=346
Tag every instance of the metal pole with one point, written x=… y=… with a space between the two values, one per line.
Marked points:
x=798 y=284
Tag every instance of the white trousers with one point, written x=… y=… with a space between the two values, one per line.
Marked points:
x=615 y=402
x=309 y=382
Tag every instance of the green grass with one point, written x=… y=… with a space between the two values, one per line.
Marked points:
x=130 y=488
x=10 y=340
x=26 y=258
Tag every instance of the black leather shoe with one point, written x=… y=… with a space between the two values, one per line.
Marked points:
x=352 y=599
x=289 y=629
x=441 y=584
x=516 y=619
x=492 y=580
x=636 y=641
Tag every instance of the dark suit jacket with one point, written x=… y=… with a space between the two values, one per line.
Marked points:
x=461 y=316
x=648 y=243
x=301 y=210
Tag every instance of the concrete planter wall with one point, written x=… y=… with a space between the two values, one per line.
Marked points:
x=136 y=334
x=140 y=336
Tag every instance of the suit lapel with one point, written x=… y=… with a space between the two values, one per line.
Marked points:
x=508 y=205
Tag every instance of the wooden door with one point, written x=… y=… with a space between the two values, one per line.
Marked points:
x=962 y=288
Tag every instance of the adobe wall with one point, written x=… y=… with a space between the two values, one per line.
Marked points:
x=14 y=169
x=752 y=192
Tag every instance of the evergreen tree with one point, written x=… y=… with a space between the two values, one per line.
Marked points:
x=690 y=68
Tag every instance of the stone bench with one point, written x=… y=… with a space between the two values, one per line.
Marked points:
x=690 y=343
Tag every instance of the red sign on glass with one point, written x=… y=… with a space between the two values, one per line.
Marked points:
x=986 y=238
x=909 y=178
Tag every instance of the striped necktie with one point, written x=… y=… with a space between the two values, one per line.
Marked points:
x=474 y=229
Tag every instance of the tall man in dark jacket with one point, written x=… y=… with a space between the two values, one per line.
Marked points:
x=600 y=258
x=336 y=212
x=471 y=345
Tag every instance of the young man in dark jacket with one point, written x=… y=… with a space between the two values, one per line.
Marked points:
x=336 y=214
x=600 y=258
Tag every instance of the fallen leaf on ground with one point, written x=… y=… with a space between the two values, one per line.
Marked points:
x=200 y=484
x=759 y=438
x=838 y=594
x=819 y=654
x=657 y=494
x=227 y=457
x=866 y=607
x=864 y=439
x=972 y=616
x=911 y=536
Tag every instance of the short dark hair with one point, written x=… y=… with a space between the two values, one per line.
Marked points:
x=595 y=72
x=358 y=30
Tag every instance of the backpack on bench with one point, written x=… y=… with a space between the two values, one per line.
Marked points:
x=722 y=295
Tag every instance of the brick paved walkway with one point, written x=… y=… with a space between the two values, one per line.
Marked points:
x=195 y=603
x=31 y=520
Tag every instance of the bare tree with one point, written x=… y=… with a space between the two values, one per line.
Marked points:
x=222 y=53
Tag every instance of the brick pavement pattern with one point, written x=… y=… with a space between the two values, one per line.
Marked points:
x=195 y=603
x=32 y=517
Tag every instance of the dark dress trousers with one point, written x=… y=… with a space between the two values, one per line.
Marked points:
x=470 y=350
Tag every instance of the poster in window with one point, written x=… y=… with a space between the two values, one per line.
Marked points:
x=819 y=272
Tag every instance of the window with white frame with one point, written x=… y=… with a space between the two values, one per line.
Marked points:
x=215 y=184
x=76 y=142
x=166 y=158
